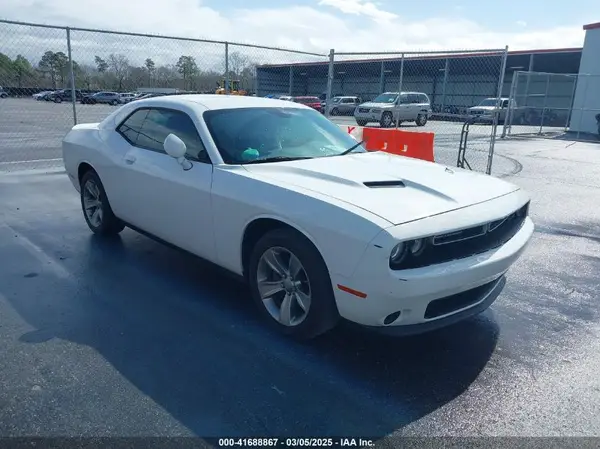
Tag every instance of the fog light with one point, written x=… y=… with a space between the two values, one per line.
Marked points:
x=391 y=318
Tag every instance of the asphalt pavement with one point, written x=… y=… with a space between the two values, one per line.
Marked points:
x=127 y=337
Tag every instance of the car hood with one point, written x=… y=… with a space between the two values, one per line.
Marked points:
x=428 y=188
x=376 y=105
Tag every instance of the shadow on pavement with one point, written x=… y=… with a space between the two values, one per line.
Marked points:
x=189 y=338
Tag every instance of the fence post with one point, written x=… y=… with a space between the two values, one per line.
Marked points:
x=72 y=77
x=497 y=111
x=400 y=81
x=329 y=82
x=511 y=102
x=446 y=69
x=226 y=68
x=584 y=96
x=572 y=103
x=382 y=78
x=544 y=105
x=291 y=82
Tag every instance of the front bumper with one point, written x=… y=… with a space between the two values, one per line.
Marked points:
x=371 y=116
x=479 y=299
x=413 y=293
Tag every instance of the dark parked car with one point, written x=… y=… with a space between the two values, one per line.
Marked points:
x=59 y=96
x=102 y=97
x=3 y=93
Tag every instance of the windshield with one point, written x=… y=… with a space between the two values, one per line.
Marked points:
x=385 y=98
x=336 y=100
x=249 y=134
x=488 y=102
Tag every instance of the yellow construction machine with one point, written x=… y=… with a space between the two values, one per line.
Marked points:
x=234 y=88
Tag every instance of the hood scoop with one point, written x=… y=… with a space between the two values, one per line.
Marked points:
x=384 y=184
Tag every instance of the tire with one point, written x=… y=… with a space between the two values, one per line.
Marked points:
x=58 y=100
x=387 y=119
x=361 y=122
x=335 y=111
x=421 y=120
x=312 y=279
x=114 y=102
x=107 y=224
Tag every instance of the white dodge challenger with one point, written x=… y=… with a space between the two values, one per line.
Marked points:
x=319 y=228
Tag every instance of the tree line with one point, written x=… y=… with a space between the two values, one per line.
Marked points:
x=116 y=72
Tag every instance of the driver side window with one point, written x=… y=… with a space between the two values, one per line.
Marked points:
x=148 y=129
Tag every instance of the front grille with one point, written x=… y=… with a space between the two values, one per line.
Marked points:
x=450 y=304
x=468 y=242
x=363 y=110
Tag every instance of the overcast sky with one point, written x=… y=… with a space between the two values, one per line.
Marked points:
x=312 y=25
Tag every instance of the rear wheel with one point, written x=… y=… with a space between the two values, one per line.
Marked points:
x=361 y=122
x=57 y=99
x=114 y=102
x=291 y=286
x=96 y=208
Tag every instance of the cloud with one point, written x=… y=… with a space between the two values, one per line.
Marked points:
x=360 y=8
x=313 y=29
x=521 y=23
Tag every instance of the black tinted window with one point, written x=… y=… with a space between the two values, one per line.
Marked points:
x=160 y=123
x=131 y=127
x=424 y=98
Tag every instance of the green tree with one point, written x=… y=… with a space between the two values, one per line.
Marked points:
x=150 y=68
x=22 y=69
x=54 y=64
x=187 y=67
x=6 y=69
x=101 y=64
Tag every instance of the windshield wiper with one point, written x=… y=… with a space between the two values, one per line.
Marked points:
x=277 y=159
x=352 y=148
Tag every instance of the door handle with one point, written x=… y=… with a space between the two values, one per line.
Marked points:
x=129 y=158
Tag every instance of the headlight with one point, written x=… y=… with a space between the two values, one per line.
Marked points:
x=402 y=254
x=398 y=253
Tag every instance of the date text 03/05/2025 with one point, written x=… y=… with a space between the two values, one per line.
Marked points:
x=295 y=442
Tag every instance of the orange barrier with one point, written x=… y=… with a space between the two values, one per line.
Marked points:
x=404 y=143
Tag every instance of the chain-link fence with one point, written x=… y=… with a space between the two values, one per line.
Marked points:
x=57 y=76
x=423 y=91
x=552 y=105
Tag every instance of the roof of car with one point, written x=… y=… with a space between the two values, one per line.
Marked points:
x=214 y=101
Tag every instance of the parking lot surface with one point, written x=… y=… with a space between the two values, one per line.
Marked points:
x=31 y=133
x=127 y=337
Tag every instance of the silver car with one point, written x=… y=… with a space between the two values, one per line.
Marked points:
x=394 y=107
x=484 y=111
x=344 y=105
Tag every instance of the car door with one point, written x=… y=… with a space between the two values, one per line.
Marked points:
x=403 y=107
x=157 y=195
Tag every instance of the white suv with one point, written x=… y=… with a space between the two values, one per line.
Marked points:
x=391 y=107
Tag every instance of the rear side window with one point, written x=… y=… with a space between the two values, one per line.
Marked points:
x=131 y=128
x=424 y=98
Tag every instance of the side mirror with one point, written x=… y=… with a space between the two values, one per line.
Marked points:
x=175 y=147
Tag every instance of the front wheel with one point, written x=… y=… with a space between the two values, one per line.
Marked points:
x=114 y=102
x=58 y=100
x=96 y=208
x=386 y=120
x=291 y=286
x=361 y=122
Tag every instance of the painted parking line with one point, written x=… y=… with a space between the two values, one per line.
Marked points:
x=31 y=161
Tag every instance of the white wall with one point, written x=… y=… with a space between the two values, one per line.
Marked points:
x=587 y=93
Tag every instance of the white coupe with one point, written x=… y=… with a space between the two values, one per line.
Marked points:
x=320 y=228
